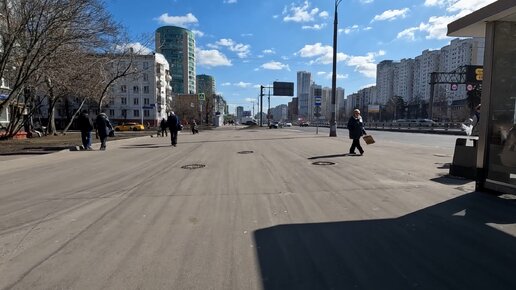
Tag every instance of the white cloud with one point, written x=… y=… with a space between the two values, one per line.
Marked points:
x=225 y=84
x=366 y=1
x=314 y=27
x=269 y=51
x=324 y=55
x=250 y=100
x=243 y=85
x=242 y=50
x=137 y=48
x=408 y=33
x=211 y=58
x=351 y=29
x=437 y=26
x=182 y=21
x=230 y=1
x=198 y=33
x=391 y=15
x=302 y=13
x=275 y=65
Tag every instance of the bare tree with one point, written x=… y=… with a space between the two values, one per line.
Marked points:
x=34 y=32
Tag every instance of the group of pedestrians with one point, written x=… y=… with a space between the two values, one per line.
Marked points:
x=103 y=128
x=102 y=125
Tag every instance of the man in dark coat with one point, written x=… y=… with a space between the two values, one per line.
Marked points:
x=356 y=130
x=174 y=126
x=103 y=129
x=163 y=126
x=86 y=126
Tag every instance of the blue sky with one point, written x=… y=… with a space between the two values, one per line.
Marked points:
x=248 y=43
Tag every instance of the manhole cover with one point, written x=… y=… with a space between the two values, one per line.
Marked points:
x=193 y=166
x=323 y=163
x=245 y=152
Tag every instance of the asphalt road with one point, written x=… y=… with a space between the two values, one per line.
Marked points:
x=258 y=215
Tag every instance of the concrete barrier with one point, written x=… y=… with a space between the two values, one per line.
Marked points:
x=464 y=158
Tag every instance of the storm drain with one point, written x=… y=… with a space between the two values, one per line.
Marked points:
x=245 y=152
x=193 y=166
x=323 y=163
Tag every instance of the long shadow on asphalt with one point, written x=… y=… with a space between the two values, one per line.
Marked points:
x=457 y=244
x=334 y=156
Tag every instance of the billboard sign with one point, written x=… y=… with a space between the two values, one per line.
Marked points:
x=283 y=89
x=373 y=108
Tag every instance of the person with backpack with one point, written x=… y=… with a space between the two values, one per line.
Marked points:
x=85 y=125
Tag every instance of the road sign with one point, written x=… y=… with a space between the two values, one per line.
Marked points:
x=318 y=101
x=202 y=97
x=454 y=87
x=317 y=115
x=469 y=87
x=283 y=89
x=317 y=109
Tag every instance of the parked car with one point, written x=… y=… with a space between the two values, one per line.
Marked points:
x=304 y=124
x=129 y=127
x=274 y=125
x=250 y=123
x=425 y=122
x=288 y=124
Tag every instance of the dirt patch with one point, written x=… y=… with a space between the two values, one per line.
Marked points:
x=59 y=142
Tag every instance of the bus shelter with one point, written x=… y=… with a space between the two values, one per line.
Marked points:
x=496 y=149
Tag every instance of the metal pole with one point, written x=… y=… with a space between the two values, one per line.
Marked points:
x=431 y=99
x=333 y=124
x=261 y=106
x=269 y=109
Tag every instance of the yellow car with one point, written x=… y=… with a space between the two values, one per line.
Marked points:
x=129 y=127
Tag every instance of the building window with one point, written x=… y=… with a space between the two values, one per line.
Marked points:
x=124 y=100
x=123 y=89
x=124 y=113
x=136 y=113
x=146 y=89
x=145 y=77
x=112 y=101
x=136 y=89
x=111 y=112
x=146 y=101
x=145 y=65
x=135 y=101
x=146 y=113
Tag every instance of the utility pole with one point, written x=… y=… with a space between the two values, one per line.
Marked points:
x=261 y=105
x=333 y=121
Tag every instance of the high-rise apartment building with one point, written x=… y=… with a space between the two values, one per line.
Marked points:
x=424 y=65
x=177 y=44
x=385 y=80
x=304 y=81
x=460 y=52
x=403 y=79
x=239 y=113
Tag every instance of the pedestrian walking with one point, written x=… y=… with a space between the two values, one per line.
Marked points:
x=174 y=126
x=103 y=129
x=163 y=126
x=356 y=131
x=194 y=127
x=85 y=125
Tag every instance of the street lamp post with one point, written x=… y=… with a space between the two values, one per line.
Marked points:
x=333 y=122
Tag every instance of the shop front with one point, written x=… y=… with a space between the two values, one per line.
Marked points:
x=496 y=155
